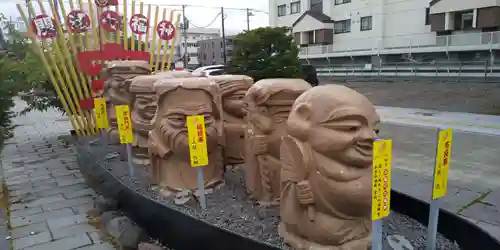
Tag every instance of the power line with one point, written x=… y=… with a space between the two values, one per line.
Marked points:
x=204 y=26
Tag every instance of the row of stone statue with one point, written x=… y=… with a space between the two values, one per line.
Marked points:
x=307 y=149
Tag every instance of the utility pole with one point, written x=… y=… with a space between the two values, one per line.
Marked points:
x=30 y=15
x=185 y=26
x=223 y=36
x=248 y=19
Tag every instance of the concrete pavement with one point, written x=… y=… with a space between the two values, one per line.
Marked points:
x=48 y=196
x=474 y=184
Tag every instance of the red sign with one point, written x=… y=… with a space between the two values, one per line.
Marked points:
x=105 y=3
x=87 y=104
x=139 y=24
x=110 y=21
x=78 y=21
x=165 y=30
x=44 y=26
x=111 y=51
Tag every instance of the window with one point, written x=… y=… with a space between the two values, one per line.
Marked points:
x=427 y=16
x=295 y=7
x=467 y=20
x=337 y=2
x=343 y=26
x=282 y=10
x=366 y=23
x=316 y=6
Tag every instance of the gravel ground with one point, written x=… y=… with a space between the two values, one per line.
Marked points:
x=229 y=207
x=469 y=97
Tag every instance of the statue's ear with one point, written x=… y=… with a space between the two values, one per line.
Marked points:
x=299 y=121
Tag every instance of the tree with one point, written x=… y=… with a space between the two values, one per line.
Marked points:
x=265 y=53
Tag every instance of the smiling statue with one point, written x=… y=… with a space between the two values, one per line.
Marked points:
x=268 y=103
x=233 y=89
x=117 y=92
x=326 y=175
x=168 y=143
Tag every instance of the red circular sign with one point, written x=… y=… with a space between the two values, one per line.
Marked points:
x=139 y=24
x=165 y=30
x=78 y=21
x=110 y=21
x=44 y=26
x=105 y=3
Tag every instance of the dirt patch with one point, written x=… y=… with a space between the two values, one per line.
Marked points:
x=470 y=97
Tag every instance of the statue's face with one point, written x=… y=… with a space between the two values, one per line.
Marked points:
x=175 y=108
x=145 y=105
x=233 y=103
x=346 y=135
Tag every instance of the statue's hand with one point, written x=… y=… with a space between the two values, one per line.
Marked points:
x=304 y=193
x=259 y=145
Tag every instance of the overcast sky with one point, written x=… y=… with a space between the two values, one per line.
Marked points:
x=199 y=16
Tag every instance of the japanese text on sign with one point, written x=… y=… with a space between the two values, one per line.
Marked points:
x=197 y=140
x=381 y=179
x=443 y=154
x=124 y=124
x=101 y=113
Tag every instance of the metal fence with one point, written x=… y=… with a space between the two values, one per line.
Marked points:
x=427 y=42
x=476 y=69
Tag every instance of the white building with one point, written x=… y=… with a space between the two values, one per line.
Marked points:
x=194 y=35
x=349 y=28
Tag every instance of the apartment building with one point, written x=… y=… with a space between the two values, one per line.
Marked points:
x=211 y=51
x=194 y=37
x=374 y=28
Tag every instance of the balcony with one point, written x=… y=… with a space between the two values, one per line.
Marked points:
x=420 y=43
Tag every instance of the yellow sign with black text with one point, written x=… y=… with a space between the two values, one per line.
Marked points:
x=443 y=156
x=101 y=113
x=124 y=124
x=381 y=179
x=197 y=140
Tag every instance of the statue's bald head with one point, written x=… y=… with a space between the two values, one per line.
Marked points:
x=325 y=103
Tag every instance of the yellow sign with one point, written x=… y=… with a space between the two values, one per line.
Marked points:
x=381 y=179
x=124 y=124
x=197 y=140
x=101 y=113
x=443 y=154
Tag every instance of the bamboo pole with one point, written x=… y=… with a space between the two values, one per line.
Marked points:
x=125 y=28
x=173 y=42
x=74 y=65
x=132 y=40
x=167 y=48
x=153 y=44
x=157 y=62
x=66 y=56
x=141 y=10
x=118 y=31
x=67 y=77
x=146 y=45
x=70 y=110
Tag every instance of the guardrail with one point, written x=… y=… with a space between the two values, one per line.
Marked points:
x=427 y=42
x=479 y=69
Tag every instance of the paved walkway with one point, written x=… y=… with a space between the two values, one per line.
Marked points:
x=474 y=185
x=466 y=122
x=48 y=196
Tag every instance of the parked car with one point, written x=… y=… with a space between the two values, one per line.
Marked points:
x=310 y=74
x=200 y=71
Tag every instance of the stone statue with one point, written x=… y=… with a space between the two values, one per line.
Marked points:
x=116 y=74
x=233 y=89
x=144 y=109
x=168 y=144
x=326 y=175
x=268 y=103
